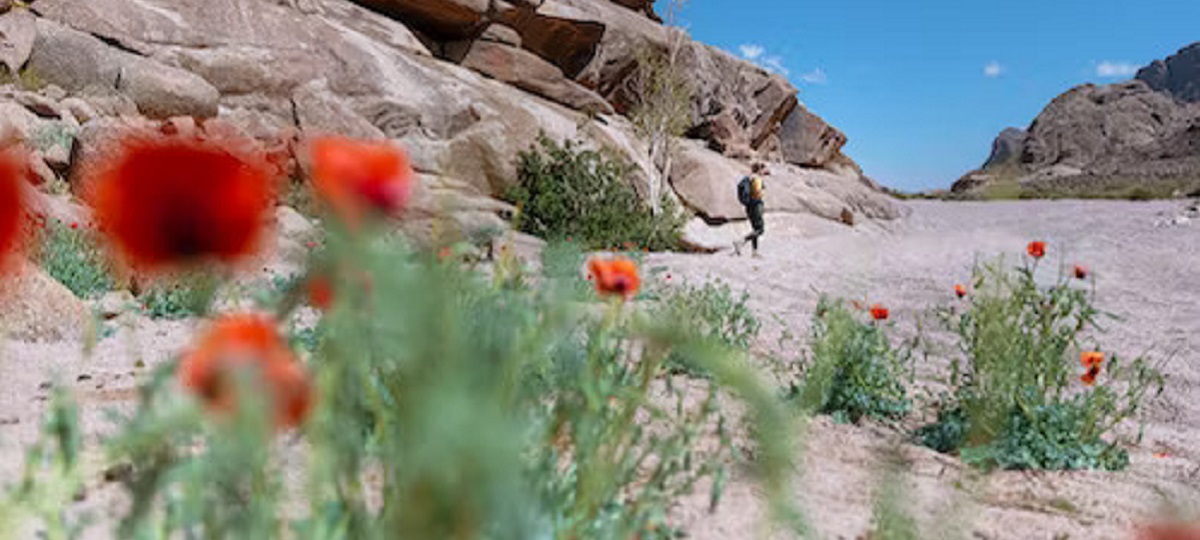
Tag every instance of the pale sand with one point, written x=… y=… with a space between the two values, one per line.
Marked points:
x=1146 y=274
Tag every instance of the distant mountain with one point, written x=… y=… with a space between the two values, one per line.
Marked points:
x=1139 y=138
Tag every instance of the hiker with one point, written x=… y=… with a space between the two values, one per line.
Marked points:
x=750 y=194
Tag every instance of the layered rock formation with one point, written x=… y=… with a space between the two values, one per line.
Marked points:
x=1093 y=140
x=463 y=85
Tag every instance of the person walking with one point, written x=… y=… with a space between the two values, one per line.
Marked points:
x=750 y=194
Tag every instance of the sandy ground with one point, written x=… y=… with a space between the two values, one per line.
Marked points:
x=1146 y=274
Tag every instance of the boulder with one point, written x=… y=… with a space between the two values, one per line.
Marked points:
x=17 y=34
x=319 y=111
x=37 y=308
x=645 y=7
x=808 y=141
x=560 y=34
x=79 y=62
x=707 y=182
x=529 y=72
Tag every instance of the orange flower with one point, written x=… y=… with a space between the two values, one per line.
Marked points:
x=320 y=292
x=1089 y=378
x=1172 y=531
x=1081 y=272
x=1091 y=359
x=247 y=342
x=617 y=276
x=359 y=177
x=12 y=176
x=879 y=313
x=960 y=290
x=170 y=200
x=1036 y=249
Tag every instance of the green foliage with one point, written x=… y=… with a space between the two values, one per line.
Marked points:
x=566 y=192
x=179 y=299
x=712 y=312
x=854 y=372
x=1019 y=401
x=71 y=255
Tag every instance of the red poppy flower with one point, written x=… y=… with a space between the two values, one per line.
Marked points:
x=320 y=292
x=616 y=276
x=1169 y=531
x=1091 y=359
x=444 y=253
x=960 y=290
x=1089 y=377
x=1036 y=249
x=879 y=313
x=1081 y=272
x=166 y=201
x=357 y=178
x=251 y=343
x=12 y=200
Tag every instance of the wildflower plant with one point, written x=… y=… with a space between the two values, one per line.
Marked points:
x=435 y=402
x=1027 y=391
x=855 y=372
x=71 y=254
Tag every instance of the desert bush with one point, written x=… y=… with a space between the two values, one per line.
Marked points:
x=1018 y=400
x=70 y=254
x=179 y=298
x=568 y=192
x=854 y=370
x=710 y=311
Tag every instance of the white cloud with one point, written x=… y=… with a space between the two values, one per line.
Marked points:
x=816 y=76
x=1110 y=69
x=751 y=51
x=993 y=69
x=758 y=55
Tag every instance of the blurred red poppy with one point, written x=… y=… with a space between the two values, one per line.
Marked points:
x=1036 y=249
x=960 y=290
x=166 y=201
x=320 y=292
x=359 y=178
x=12 y=200
x=1081 y=272
x=252 y=343
x=1169 y=531
x=616 y=276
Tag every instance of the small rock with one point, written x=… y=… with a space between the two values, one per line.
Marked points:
x=118 y=472
x=113 y=304
x=80 y=109
x=847 y=217
x=1182 y=220
x=5 y=6
x=54 y=92
x=38 y=104
x=83 y=377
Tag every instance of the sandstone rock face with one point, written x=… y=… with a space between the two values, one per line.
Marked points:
x=1177 y=76
x=38 y=308
x=807 y=140
x=79 y=62
x=530 y=72
x=442 y=18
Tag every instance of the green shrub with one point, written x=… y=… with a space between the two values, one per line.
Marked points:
x=855 y=371
x=566 y=192
x=179 y=299
x=1019 y=401
x=70 y=254
x=713 y=312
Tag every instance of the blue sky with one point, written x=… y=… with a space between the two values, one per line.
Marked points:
x=922 y=88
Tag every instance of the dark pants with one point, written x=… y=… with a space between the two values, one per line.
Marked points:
x=754 y=211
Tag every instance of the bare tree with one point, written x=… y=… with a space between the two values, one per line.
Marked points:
x=662 y=100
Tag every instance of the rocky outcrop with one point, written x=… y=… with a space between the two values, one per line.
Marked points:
x=463 y=85
x=1177 y=76
x=38 y=308
x=1109 y=139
